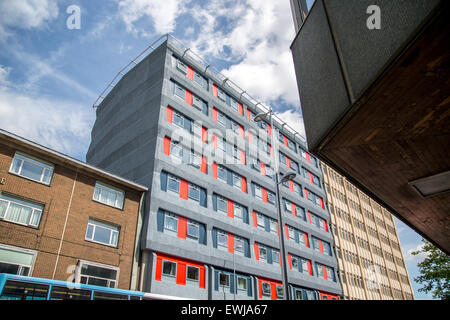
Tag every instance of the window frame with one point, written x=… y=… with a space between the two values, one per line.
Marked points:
x=33 y=161
x=120 y=194
x=114 y=230
x=36 y=208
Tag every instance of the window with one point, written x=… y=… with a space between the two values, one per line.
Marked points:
x=305 y=266
x=108 y=195
x=239 y=245
x=181 y=66
x=222 y=204
x=178 y=119
x=63 y=293
x=260 y=221
x=273 y=226
x=237 y=181
x=262 y=252
x=169 y=268
x=222 y=239
x=180 y=91
x=291 y=232
x=176 y=150
x=266 y=289
x=258 y=192
x=221 y=95
x=102 y=233
x=275 y=256
x=200 y=80
x=15 y=290
x=241 y=283
x=221 y=118
x=280 y=292
x=193 y=229
x=197 y=102
x=224 y=279
x=16 y=260
x=194 y=192
x=104 y=276
x=222 y=173
x=196 y=160
x=32 y=169
x=271 y=197
x=287 y=206
x=192 y=273
x=294 y=262
x=170 y=222
x=20 y=211
x=238 y=211
x=173 y=184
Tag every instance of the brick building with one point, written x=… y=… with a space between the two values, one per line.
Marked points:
x=63 y=219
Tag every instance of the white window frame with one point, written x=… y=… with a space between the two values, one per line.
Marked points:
x=197 y=189
x=238 y=277
x=260 y=221
x=114 y=231
x=275 y=253
x=222 y=199
x=182 y=66
x=240 y=250
x=177 y=88
x=197 y=102
x=266 y=289
x=21 y=266
x=237 y=181
x=22 y=158
x=227 y=277
x=258 y=192
x=119 y=199
x=222 y=235
x=174 y=178
x=221 y=95
x=162 y=268
x=36 y=210
x=238 y=211
x=172 y=217
x=264 y=248
x=273 y=226
x=191 y=223
x=177 y=115
x=80 y=264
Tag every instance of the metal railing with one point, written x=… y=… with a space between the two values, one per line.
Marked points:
x=208 y=68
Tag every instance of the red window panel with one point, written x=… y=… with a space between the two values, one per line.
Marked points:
x=255 y=246
x=263 y=168
x=182 y=227
x=310 y=268
x=181 y=273
x=204 y=135
x=269 y=129
x=310 y=177
x=306 y=194
x=244 y=184
x=190 y=73
x=286 y=231
x=271 y=152
x=181 y=269
x=265 y=195
x=214 y=169
x=169 y=114
x=242 y=156
x=184 y=189
x=307 y=157
x=214 y=90
x=249 y=115
x=241 y=131
x=278 y=230
x=250 y=137
x=255 y=221
x=306 y=240
x=325 y=225
x=230 y=208
x=321 y=203
x=288 y=162
x=189 y=98
x=321 y=246
x=204 y=165
x=214 y=113
x=325 y=275
x=289 y=261
x=285 y=141
x=230 y=243
x=214 y=140
x=166 y=143
x=273 y=287
x=294 y=209
x=241 y=108
x=309 y=217
x=291 y=185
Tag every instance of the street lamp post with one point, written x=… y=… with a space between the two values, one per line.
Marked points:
x=288 y=177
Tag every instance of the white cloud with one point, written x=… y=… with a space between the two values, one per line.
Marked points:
x=254 y=36
x=25 y=14
x=58 y=124
x=294 y=120
x=162 y=13
x=415 y=258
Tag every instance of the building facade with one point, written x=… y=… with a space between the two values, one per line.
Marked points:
x=370 y=259
x=211 y=228
x=65 y=220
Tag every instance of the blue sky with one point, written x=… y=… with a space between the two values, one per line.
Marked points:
x=51 y=75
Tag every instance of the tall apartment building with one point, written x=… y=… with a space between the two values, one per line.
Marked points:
x=211 y=228
x=63 y=219
x=370 y=260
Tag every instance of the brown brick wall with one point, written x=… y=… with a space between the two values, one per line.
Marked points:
x=46 y=238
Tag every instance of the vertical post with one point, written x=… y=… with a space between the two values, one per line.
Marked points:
x=280 y=218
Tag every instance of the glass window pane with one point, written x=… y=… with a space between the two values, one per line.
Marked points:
x=90 y=231
x=192 y=273
x=32 y=171
x=194 y=192
x=3 y=206
x=18 y=213
x=174 y=184
x=224 y=279
x=242 y=283
x=15 y=290
x=63 y=293
x=169 y=268
x=36 y=217
x=102 y=235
